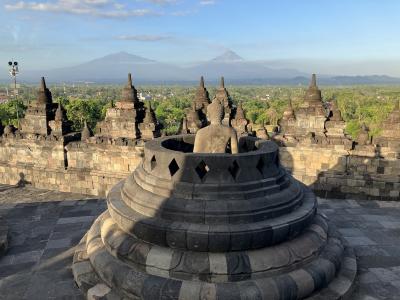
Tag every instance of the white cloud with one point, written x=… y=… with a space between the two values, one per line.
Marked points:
x=119 y=6
x=183 y=13
x=97 y=8
x=143 y=38
x=207 y=2
x=162 y=2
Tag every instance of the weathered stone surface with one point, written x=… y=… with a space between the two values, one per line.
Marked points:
x=3 y=236
x=32 y=215
x=240 y=123
x=39 y=113
x=223 y=221
x=129 y=119
x=310 y=116
x=216 y=138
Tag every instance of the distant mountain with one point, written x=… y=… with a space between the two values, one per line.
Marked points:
x=228 y=56
x=121 y=58
x=234 y=67
x=113 y=68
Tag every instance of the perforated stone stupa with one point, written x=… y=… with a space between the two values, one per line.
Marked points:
x=188 y=225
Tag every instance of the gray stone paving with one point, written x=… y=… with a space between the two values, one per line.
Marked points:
x=46 y=225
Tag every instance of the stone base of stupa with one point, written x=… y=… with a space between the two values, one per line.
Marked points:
x=3 y=237
x=207 y=226
x=111 y=264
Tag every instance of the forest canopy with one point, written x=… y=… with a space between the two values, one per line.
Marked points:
x=262 y=104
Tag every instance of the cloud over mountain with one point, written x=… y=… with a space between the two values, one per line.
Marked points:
x=95 y=8
x=143 y=37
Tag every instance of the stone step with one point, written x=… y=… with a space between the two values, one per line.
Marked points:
x=216 y=267
x=224 y=210
x=329 y=276
x=208 y=237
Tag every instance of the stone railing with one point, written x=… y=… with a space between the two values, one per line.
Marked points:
x=94 y=166
x=339 y=172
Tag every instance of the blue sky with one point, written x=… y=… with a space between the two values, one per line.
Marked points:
x=340 y=37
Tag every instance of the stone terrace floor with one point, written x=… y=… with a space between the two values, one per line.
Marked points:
x=45 y=225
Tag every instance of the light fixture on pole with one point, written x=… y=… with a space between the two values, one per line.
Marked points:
x=14 y=71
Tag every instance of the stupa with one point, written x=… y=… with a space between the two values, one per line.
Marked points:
x=202 y=98
x=86 y=132
x=287 y=125
x=310 y=116
x=60 y=125
x=223 y=96
x=198 y=225
x=39 y=113
x=149 y=128
x=194 y=119
x=335 y=127
x=390 y=135
x=122 y=121
x=240 y=122
x=363 y=137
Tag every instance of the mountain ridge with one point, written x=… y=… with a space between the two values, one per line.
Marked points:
x=112 y=68
x=228 y=56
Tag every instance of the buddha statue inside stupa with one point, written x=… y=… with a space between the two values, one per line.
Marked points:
x=216 y=137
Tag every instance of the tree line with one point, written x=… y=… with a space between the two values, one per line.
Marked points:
x=262 y=104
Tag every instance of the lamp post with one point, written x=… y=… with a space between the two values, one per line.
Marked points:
x=13 y=69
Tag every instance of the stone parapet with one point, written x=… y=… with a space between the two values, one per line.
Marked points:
x=54 y=163
x=334 y=171
x=87 y=168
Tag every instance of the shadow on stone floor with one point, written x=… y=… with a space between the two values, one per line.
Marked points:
x=43 y=236
x=353 y=197
x=6 y=188
x=361 y=185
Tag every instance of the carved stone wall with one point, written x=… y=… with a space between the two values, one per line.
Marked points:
x=78 y=167
x=333 y=171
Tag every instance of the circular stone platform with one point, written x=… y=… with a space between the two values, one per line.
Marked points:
x=190 y=225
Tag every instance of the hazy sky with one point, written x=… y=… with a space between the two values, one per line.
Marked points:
x=337 y=37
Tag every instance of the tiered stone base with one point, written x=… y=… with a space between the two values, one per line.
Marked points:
x=112 y=264
x=3 y=237
x=191 y=226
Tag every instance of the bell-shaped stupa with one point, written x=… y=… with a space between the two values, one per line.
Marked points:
x=191 y=225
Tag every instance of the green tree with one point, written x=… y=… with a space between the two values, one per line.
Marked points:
x=170 y=113
x=8 y=112
x=79 y=111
